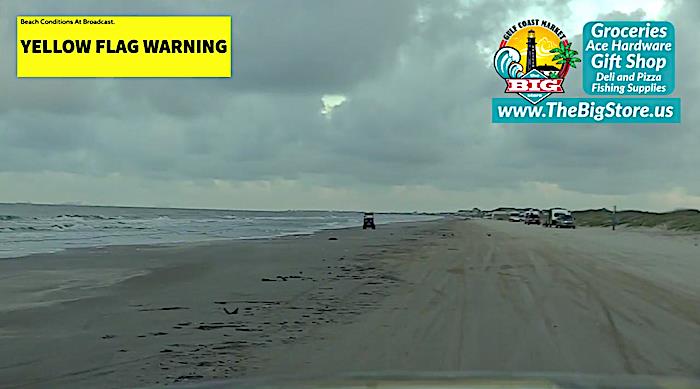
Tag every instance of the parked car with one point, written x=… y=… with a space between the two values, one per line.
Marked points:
x=565 y=221
x=514 y=217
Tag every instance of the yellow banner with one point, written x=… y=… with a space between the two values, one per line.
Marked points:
x=124 y=46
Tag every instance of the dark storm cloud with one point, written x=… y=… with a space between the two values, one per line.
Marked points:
x=322 y=45
x=418 y=111
x=265 y=133
x=279 y=47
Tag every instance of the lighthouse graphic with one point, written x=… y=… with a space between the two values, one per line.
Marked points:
x=528 y=61
x=531 y=51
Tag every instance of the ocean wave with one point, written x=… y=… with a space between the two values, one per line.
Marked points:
x=58 y=227
x=46 y=231
x=85 y=217
x=21 y=228
x=295 y=218
x=54 y=227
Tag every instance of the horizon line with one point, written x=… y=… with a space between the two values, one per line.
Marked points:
x=330 y=210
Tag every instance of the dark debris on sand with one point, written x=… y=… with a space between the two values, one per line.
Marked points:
x=265 y=323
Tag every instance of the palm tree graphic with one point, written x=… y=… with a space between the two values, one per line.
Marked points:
x=565 y=57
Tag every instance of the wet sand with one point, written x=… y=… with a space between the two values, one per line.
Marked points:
x=447 y=295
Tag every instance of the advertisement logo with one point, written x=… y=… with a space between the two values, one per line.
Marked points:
x=625 y=66
x=534 y=58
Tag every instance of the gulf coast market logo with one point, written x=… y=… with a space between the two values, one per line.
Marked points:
x=534 y=58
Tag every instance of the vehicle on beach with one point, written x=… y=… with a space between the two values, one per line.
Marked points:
x=565 y=221
x=499 y=215
x=368 y=221
x=558 y=218
x=532 y=217
x=514 y=217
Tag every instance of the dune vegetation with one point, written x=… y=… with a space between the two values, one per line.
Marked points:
x=684 y=220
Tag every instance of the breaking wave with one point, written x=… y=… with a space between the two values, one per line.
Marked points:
x=507 y=63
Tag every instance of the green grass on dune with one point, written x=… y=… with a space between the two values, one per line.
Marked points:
x=685 y=220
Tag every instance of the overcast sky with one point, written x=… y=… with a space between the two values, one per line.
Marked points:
x=405 y=124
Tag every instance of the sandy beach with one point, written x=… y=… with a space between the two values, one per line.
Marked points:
x=448 y=295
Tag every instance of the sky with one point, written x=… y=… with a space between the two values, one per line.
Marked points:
x=353 y=105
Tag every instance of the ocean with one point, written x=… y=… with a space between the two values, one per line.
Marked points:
x=30 y=228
